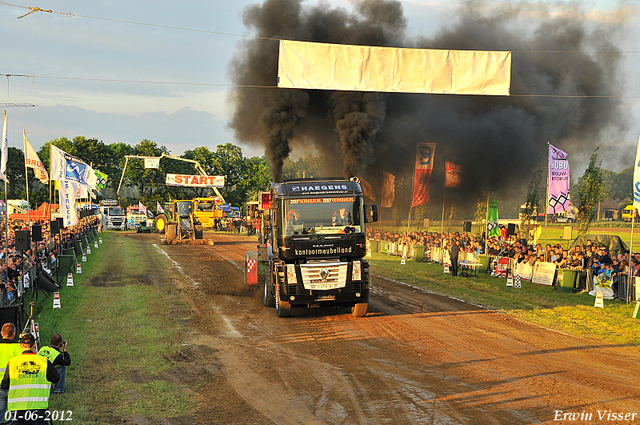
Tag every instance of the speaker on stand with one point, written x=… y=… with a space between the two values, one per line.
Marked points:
x=36 y=232
x=23 y=241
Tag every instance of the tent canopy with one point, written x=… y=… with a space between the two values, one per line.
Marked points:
x=613 y=243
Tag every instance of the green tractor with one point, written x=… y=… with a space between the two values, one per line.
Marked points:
x=179 y=222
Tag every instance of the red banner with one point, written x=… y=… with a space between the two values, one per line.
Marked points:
x=367 y=189
x=424 y=166
x=388 y=190
x=453 y=178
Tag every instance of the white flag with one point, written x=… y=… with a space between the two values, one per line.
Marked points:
x=636 y=180
x=142 y=208
x=68 y=203
x=5 y=150
x=159 y=208
x=67 y=167
x=33 y=161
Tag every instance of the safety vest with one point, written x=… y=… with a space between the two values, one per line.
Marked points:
x=7 y=352
x=28 y=386
x=49 y=352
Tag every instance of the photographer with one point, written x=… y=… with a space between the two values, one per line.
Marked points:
x=58 y=356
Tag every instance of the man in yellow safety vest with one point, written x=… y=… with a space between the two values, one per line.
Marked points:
x=8 y=349
x=28 y=378
x=59 y=357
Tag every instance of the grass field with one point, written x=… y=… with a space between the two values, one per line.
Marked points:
x=120 y=335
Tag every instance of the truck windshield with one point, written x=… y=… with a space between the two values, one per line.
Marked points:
x=116 y=211
x=206 y=206
x=321 y=216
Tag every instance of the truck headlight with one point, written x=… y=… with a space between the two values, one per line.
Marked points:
x=291 y=273
x=357 y=271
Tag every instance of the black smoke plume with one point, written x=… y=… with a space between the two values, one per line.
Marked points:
x=357 y=118
x=565 y=76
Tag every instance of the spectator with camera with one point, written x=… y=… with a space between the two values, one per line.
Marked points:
x=58 y=356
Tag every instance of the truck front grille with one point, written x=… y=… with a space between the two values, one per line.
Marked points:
x=324 y=275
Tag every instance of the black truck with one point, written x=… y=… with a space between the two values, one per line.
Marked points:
x=313 y=242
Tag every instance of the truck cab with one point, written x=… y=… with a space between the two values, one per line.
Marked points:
x=628 y=212
x=207 y=210
x=317 y=241
x=112 y=215
x=138 y=219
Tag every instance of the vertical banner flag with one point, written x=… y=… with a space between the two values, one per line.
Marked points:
x=70 y=168
x=422 y=174
x=492 y=223
x=636 y=179
x=367 y=189
x=159 y=208
x=152 y=163
x=33 y=161
x=388 y=190
x=453 y=176
x=81 y=192
x=68 y=203
x=559 y=181
x=101 y=179
x=5 y=150
x=142 y=208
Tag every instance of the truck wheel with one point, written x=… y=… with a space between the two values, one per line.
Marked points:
x=360 y=309
x=171 y=231
x=161 y=223
x=283 y=308
x=198 y=231
x=268 y=299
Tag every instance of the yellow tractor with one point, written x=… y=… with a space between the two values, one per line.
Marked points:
x=179 y=222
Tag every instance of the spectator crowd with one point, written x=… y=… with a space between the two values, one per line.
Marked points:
x=596 y=263
x=16 y=265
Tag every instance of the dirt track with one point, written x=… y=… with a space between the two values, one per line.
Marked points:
x=416 y=358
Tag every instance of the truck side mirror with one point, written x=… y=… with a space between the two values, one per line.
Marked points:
x=370 y=213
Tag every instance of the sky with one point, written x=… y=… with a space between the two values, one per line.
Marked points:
x=123 y=71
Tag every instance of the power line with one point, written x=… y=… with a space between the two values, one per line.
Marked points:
x=146 y=24
x=258 y=37
x=259 y=86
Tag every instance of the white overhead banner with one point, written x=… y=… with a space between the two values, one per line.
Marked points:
x=194 y=181
x=325 y=66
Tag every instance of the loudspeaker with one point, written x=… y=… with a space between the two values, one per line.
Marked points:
x=46 y=282
x=23 y=242
x=467 y=226
x=511 y=229
x=54 y=227
x=36 y=232
x=13 y=314
x=60 y=223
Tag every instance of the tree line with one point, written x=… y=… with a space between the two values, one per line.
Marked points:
x=244 y=176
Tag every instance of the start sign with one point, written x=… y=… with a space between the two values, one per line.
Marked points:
x=194 y=181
